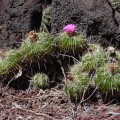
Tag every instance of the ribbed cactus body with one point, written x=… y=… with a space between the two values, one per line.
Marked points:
x=40 y=80
x=76 y=81
x=10 y=62
x=42 y=47
x=108 y=77
x=94 y=58
x=71 y=44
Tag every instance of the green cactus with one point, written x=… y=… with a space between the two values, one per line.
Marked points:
x=44 y=45
x=94 y=58
x=79 y=76
x=71 y=89
x=76 y=81
x=95 y=47
x=46 y=20
x=108 y=77
x=115 y=4
x=76 y=69
x=40 y=80
x=118 y=56
x=76 y=86
x=71 y=44
x=11 y=61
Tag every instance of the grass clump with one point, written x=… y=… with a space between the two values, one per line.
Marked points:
x=40 y=80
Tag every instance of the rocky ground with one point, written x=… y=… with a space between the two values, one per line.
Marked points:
x=51 y=104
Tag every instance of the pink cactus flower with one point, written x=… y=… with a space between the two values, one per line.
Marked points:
x=70 y=29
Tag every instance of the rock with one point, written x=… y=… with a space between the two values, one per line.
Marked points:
x=94 y=18
x=17 y=17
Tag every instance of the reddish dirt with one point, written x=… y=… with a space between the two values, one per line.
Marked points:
x=51 y=104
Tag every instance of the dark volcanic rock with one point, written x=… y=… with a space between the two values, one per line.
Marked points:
x=17 y=17
x=93 y=17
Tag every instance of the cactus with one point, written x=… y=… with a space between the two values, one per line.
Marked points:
x=115 y=4
x=76 y=81
x=108 y=77
x=42 y=47
x=71 y=44
x=76 y=68
x=40 y=80
x=94 y=58
x=76 y=86
x=118 y=56
x=10 y=62
x=46 y=20
x=71 y=89
x=113 y=55
x=96 y=62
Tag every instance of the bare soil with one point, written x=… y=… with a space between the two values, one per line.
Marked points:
x=51 y=104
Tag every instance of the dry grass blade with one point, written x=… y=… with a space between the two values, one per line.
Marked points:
x=38 y=114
